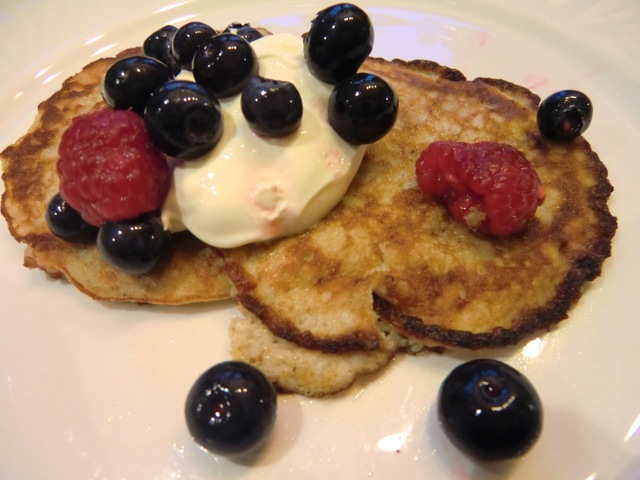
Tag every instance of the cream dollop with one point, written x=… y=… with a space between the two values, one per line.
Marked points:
x=251 y=188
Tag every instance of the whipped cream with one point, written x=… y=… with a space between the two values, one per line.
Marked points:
x=251 y=188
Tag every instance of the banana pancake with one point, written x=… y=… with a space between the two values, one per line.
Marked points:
x=192 y=273
x=390 y=258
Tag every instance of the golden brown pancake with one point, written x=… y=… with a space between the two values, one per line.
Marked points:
x=390 y=254
x=192 y=272
x=388 y=270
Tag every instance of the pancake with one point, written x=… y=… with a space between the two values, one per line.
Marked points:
x=390 y=258
x=292 y=368
x=193 y=271
x=387 y=270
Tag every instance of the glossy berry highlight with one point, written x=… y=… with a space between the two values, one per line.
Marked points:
x=134 y=246
x=362 y=108
x=186 y=41
x=128 y=82
x=159 y=46
x=231 y=409
x=66 y=222
x=273 y=108
x=489 y=410
x=224 y=64
x=565 y=115
x=338 y=42
x=184 y=120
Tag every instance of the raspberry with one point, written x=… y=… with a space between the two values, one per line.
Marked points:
x=109 y=170
x=489 y=186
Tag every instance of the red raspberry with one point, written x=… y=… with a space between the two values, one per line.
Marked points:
x=109 y=170
x=490 y=186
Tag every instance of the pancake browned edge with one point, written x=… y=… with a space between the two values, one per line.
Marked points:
x=389 y=269
x=192 y=272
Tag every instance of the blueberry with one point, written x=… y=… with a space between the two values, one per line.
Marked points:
x=134 y=246
x=183 y=119
x=489 y=410
x=186 y=41
x=231 y=409
x=66 y=222
x=159 y=46
x=271 y=107
x=128 y=82
x=244 y=30
x=338 y=42
x=363 y=108
x=565 y=115
x=224 y=64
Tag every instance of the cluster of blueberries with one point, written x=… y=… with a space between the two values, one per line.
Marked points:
x=184 y=119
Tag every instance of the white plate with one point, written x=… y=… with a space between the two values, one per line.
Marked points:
x=91 y=390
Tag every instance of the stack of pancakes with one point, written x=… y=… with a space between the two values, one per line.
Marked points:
x=387 y=270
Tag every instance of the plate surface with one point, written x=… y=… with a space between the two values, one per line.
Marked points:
x=91 y=390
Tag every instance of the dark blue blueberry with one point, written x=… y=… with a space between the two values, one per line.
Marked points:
x=128 y=83
x=564 y=115
x=339 y=40
x=489 y=410
x=186 y=41
x=363 y=108
x=244 y=30
x=66 y=222
x=183 y=119
x=272 y=108
x=231 y=409
x=134 y=246
x=224 y=64
x=159 y=46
